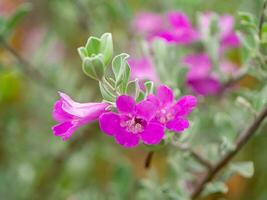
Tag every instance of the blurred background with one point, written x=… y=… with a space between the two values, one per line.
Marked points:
x=36 y=165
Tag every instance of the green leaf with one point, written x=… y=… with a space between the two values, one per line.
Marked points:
x=125 y=80
x=133 y=88
x=82 y=52
x=247 y=19
x=106 y=47
x=121 y=69
x=149 y=85
x=106 y=93
x=245 y=169
x=93 y=46
x=94 y=67
x=215 y=187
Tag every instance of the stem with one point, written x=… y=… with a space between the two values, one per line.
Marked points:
x=241 y=141
x=26 y=66
x=203 y=161
x=149 y=159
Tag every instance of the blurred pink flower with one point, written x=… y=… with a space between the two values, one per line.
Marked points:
x=142 y=69
x=228 y=37
x=176 y=28
x=71 y=115
x=148 y=24
x=201 y=77
x=180 y=30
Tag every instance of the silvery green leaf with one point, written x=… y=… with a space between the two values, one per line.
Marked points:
x=106 y=47
x=247 y=19
x=106 y=93
x=120 y=68
x=93 y=46
x=215 y=187
x=94 y=67
x=133 y=88
x=82 y=52
x=245 y=169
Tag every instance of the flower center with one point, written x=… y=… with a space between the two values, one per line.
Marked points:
x=165 y=115
x=133 y=125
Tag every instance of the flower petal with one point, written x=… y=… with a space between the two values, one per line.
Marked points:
x=146 y=110
x=185 y=105
x=153 y=133
x=59 y=114
x=125 y=104
x=179 y=20
x=178 y=125
x=64 y=130
x=82 y=110
x=205 y=86
x=165 y=95
x=109 y=123
x=126 y=139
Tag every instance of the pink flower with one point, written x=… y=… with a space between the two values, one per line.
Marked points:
x=132 y=123
x=142 y=69
x=181 y=30
x=170 y=113
x=200 y=77
x=176 y=29
x=228 y=37
x=71 y=115
x=148 y=24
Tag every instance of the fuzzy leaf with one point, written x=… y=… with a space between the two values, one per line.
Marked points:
x=106 y=47
x=245 y=169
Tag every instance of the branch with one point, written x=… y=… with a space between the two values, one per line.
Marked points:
x=241 y=141
x=203 y=161
x=149 y=159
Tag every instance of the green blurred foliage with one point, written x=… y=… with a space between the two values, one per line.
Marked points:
x=36 y=165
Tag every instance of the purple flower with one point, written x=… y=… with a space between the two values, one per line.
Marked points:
x=71 y=115
x=228 y=38
x=142 y=69
x=132 y=123
x=180 y=31
x=148 y=24
x=200 y=77
x=170 y=113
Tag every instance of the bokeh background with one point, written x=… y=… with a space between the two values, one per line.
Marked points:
x=36 y=165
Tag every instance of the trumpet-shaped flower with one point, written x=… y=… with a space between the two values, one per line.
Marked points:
x=132 y=123
x=71 y=115
x=171 y=113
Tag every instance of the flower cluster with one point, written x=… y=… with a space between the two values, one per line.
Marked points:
x=175 y=27
x=133 y=122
